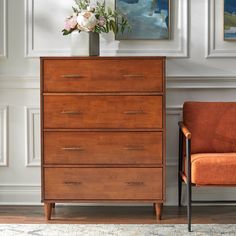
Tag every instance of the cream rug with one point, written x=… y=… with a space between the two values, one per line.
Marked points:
x=115 y=230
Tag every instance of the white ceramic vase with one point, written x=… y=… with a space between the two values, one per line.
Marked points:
x=79 y=43
x=84 y=43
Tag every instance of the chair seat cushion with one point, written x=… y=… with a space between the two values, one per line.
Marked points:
x=214 y=168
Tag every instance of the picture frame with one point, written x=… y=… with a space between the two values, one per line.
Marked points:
x=148 y=19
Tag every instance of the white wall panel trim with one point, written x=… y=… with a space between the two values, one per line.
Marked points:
x=172 y=82
x=201 y=82
x=19 y=82
x=32 y=157
x=20 y=194
x=3 y=53
x=30 y=194
x=174 y=110
x=170 y=162
x=180 y=51
x=211 y=49
x=3 y=135
x=30 y=51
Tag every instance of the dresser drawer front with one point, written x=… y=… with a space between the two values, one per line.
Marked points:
x=75 y=111
x=102 y=75
x=103 y=148
x=103 y=183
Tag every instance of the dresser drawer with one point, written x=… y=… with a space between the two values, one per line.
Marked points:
x=78 y=111
x=105 y=75
x=103 y=183
x=102 y=148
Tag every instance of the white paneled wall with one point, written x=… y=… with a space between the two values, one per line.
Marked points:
x=200 y=66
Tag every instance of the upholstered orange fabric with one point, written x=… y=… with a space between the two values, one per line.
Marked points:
x=214 y=169
x=212 y=125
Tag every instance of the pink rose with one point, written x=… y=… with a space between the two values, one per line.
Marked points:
x=71 y=23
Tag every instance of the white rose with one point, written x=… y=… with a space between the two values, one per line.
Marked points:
x=86 y=21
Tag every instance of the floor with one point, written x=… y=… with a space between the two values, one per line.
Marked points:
x=117 y=215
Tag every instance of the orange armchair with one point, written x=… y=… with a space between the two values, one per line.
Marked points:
x=207 y=148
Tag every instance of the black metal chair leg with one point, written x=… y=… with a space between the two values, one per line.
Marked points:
x=189 y=206
x=180 y=166
x=179 y=189
x=189 y=185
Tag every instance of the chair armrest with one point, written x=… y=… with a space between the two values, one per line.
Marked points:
x=185 y=130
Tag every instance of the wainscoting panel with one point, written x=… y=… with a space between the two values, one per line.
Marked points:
x=3 y=28
x=216 y=46
x=3 y=135
x=32 y=116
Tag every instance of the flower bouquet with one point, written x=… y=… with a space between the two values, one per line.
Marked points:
x=93 y=16
x=89 y=19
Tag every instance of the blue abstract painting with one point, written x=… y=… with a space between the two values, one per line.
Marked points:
x=149 y=19
x=230 y=19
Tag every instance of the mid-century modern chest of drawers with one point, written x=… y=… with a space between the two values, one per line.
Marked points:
x=103 y=130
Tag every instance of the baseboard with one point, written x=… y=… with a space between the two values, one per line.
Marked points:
x=30 y=195
x=14 y=194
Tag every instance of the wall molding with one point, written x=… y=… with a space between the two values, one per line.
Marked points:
x=3 y=54
x=180 y=51
x=211 y=50
x=4 y=135
x=32 y=160
x=30 y=194
x=172 y=82
x=172 y=161
x=30 y=52
x=174 y=110
x=201 y=82
x=19 y=82
x=20 y=194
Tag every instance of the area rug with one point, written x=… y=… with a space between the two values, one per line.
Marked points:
x=115 y=230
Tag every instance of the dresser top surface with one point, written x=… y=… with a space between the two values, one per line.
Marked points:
x=103 y=57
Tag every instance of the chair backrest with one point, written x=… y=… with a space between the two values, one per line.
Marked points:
x=212 y=124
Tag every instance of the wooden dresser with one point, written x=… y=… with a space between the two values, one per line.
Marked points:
x=103 y=130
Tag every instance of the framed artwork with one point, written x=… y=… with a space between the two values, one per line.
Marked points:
x=149 y=19
x=229 y=20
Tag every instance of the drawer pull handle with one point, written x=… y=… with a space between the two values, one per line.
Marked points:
x=133 y=76
x=71 y=113
x=135 y=183
x=72 y=149
x=72 y=183
x=134 y=148
x=77 y=76
x=134 y=112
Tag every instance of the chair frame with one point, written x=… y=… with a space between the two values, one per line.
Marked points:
x=185 y=133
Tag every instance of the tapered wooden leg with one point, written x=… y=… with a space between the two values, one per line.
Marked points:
x=158 y=209
x=154 y=208
x=48 y=210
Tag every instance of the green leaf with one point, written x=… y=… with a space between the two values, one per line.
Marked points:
x=113 y=26
x=109 y=10
x=74 y=10
x=66 y=32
